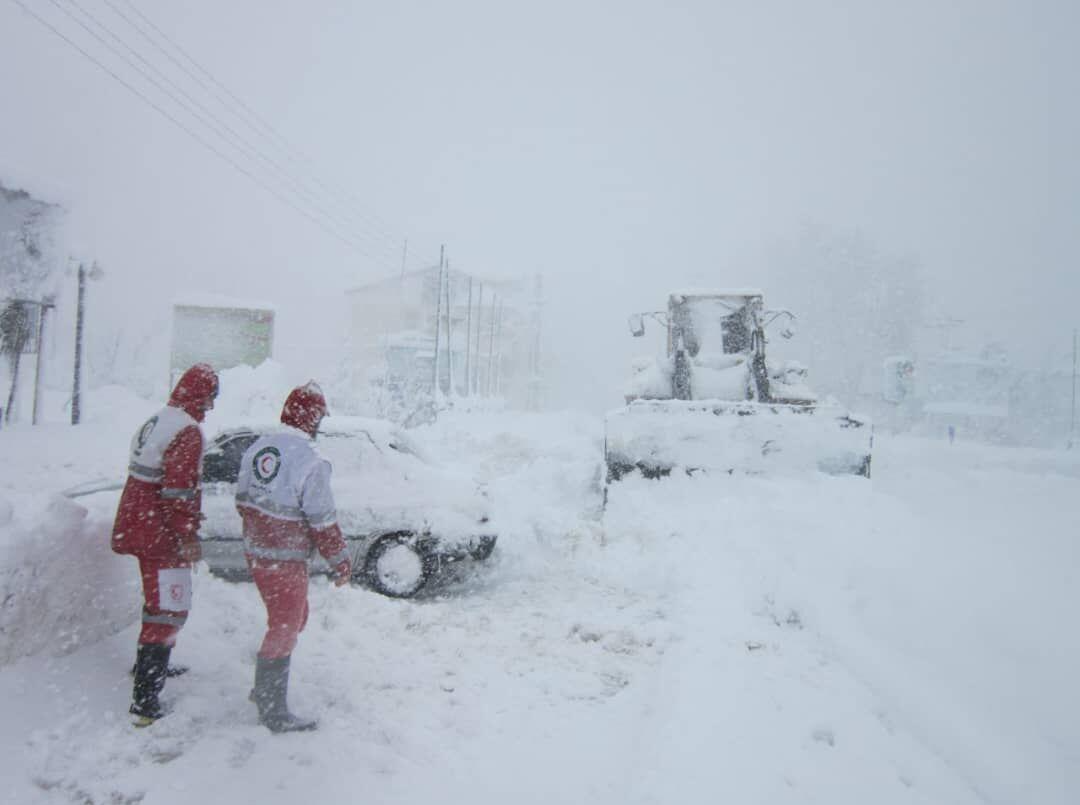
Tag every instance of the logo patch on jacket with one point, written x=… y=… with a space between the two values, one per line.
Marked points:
x=266 y=464
x=174 y=589
x=145 y=431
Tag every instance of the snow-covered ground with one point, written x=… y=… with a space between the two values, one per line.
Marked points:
x=907 y=639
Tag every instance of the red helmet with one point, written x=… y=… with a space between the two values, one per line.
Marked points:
x=195 y=391
x=304 y=408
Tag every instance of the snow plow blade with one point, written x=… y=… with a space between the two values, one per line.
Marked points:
x=657 y=437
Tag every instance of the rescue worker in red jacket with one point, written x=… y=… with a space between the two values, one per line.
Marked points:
x=157 y=522
x=283 y=495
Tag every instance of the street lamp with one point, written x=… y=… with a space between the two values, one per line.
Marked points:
x=94 y=273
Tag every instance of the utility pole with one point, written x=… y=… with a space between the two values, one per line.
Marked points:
x=449 y=334
x=479 y=320
x=43 y=306
x=438 y=324
x=534 y=378
x=498 y=354
x=468 y=342
x=490 y=384
x=1072 y=415
x=76 y=384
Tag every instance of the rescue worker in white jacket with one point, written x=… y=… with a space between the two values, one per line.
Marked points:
x=283 y=495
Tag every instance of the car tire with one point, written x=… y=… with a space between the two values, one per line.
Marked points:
x=396 y=566
x=482 y=548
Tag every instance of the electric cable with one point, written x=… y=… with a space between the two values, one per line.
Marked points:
x=222 y=130
x=391 y=255
x=256 y=122
x=191 y=133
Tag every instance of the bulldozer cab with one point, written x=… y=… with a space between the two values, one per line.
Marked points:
x=722 y=322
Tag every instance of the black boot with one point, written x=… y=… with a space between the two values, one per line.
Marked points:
x=171 y=672
x=270 y=694
x=151 y=668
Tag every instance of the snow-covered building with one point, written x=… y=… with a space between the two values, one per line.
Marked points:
x=980 y=396
x=480 y=336
x=969 y=393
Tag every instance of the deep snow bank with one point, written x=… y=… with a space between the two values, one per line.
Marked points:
x=60 y=585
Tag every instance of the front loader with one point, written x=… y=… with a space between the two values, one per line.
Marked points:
x=715 y=404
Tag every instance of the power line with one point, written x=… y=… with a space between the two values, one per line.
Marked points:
x=194 y=135
x=266 y=126
x=390 y=254
x=256 y=122
x=203 y=115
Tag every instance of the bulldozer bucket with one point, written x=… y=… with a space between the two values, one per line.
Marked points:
x=658 y=437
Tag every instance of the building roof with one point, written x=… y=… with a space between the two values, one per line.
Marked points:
x=219 y=301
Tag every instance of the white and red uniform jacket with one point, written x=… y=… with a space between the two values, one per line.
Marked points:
x=283 y=495
x=159 y=508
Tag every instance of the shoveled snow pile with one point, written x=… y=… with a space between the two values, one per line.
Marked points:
x=815 y=639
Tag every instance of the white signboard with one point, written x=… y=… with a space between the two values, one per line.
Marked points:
x=220 y=336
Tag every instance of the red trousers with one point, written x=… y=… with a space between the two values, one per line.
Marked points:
x=283 y=587
x=166 y=587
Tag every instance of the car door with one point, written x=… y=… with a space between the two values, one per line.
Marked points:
x=221 y=532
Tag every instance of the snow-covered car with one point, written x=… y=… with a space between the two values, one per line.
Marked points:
x=404 y=518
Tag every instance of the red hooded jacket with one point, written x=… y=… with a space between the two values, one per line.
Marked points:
x=160 y=506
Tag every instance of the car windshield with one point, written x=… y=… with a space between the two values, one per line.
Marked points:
x=347 y=449
x=221 y=461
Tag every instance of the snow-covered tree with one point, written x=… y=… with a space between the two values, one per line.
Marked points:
x=29 y=259
x=29 y=272
x=856 y=305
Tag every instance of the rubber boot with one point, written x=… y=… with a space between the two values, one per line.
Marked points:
x=151 y=669
x=271 y=695
x=171 y=672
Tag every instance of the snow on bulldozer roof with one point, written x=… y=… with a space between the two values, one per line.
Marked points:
x=735 y=292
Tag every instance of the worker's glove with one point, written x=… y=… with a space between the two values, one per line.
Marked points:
x=341 y=573
x=191 y=550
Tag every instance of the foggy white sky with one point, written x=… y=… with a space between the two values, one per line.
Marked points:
x=621 y=148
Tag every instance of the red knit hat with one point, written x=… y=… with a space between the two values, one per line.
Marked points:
x=304 y=408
